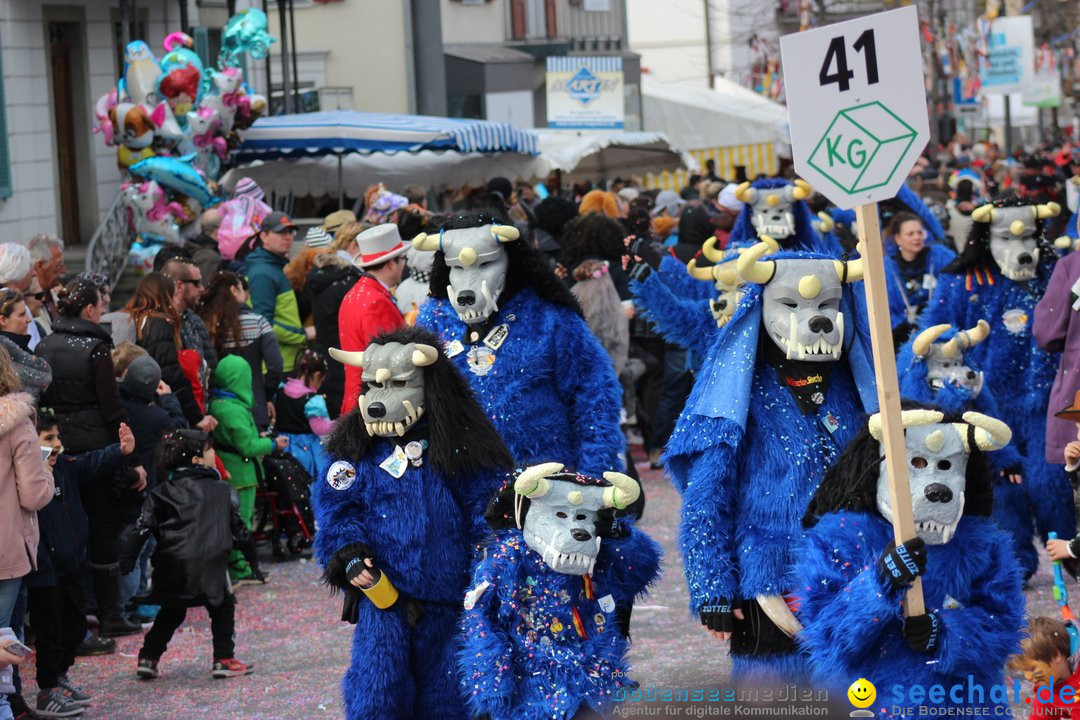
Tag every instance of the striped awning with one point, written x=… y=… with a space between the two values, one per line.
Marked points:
x=346 y=131
x=757 y=159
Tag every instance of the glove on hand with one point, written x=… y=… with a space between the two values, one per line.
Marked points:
x=900 y=564
x=717 y=615
x=923 y=632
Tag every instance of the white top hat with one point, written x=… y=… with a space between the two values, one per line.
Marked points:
x=379 y=244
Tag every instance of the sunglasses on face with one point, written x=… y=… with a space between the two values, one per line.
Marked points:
x=197 y=282
x=37 y=295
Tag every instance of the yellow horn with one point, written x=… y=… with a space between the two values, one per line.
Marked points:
x=982 y=213
x=994 y=434
x=699 y=273
x=908 y=418
x=827 y=223
x=505 y=233
x=710 y=252
x=1050 y=209
x=353 y=358
x=383 y=374
x=1017 y=227
x=750 y=267
x=920 y=347
x=854 y=270
x=533 y=482
x=804 y=186
x=974 y=336
x=623 y=492
x=809 y=286
x=726 y=276
x=745 y=193
x=424 y=355
x=423 y=241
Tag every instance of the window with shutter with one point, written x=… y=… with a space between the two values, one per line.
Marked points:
x=6 y=189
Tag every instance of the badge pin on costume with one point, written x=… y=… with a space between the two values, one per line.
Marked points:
x=1015 y=320
x=480 y=360
x=341 y=475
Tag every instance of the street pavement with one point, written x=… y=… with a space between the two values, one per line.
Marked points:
x=290 y=630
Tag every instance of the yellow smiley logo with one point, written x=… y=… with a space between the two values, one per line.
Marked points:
x=862 y=693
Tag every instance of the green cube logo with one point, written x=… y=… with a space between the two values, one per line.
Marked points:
x=856 y=158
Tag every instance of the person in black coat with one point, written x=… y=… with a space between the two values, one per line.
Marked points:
x=153 y=411
x=84 y=396
x=327 y=284
x=193 y=516
x=56 y=588
x=157 y=330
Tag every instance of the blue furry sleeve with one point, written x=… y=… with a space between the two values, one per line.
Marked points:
x=673 y=274
x=686 y=323
x=707 y=526
x=339 y=514
x=586 y=381
x=485 y=656
x=987 y=630
x=843 y=605
x=632 y=562
x=473 y=494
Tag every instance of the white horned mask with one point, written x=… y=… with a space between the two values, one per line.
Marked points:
x=561 y=521
x=801 y=301
x=724 y=277
x=771 y=209
x=937 y=458
x=478 y=264
x=393 y=376
x=1013 y=241
x=945 y=364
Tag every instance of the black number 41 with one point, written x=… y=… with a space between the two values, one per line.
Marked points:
x=837 y=54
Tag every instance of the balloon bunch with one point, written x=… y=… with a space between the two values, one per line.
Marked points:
x=172 y=122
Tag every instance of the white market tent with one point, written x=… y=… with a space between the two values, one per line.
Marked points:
x=728 y=124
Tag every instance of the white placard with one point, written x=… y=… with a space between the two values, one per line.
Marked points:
x=857 y=105
x=585 y=92
x=1009 y=64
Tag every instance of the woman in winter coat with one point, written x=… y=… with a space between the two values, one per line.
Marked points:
x=85 y=399
x=26 y=486
x=327 y=285
x=157 y=330
x=236 y=329
x=238 y=442
x=34 y=373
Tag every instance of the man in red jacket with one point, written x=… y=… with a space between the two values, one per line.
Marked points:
x=369 y=308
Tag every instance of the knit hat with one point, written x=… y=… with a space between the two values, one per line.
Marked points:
x=317 y=237
x=599 y=201
x=726 y=199
x=142 y=378
x=336 y=219
x=246 y=187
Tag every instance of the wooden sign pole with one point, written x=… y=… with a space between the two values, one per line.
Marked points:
x=888 y=390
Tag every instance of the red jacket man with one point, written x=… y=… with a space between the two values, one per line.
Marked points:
x=369 y=308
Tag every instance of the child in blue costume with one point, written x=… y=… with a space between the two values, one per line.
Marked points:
x=1000 y=277
x=782 y=392
x=542 y=635
x=300 y=411
x=540 y=374
x=399 y=513
x=850 y=576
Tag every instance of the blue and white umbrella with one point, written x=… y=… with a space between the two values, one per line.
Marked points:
x=346 y=132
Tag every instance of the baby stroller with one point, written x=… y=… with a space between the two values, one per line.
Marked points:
x=286 y=505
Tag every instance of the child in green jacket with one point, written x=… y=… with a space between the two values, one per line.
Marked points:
x=239 y=443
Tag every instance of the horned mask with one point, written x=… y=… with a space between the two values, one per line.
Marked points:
x=724 y=277
x=771 y=208
x=1013 y=241
x=801 y=301
x=478 y=265
x=393 y=376
x=937 y=457
x=564 y=507
x=945 y=360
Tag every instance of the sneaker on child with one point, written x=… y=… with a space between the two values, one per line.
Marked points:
x=147 y=669
x=231 y=667
x=73 y=691
x=55 y=703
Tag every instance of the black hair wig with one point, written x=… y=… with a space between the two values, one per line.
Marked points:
x=462 y=439
x=553 y=213
x=851 y=483
x=527 y=268
x=976 y=251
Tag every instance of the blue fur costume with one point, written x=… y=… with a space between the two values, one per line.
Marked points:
x=744 y=234
x=939 y=257
x=747 y=460
x=853 y=623
x=521 y=657
x=552 y=392
x=1020 y=376
x=678 y=306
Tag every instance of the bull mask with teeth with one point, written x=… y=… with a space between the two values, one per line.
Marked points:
x=945 y=360
x=478 y=265
x=563 y=508
x=723 y=276
x=771 y=208
x=801 y=301
x=1015 y=235
x=937 y=454
x=393 y=400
